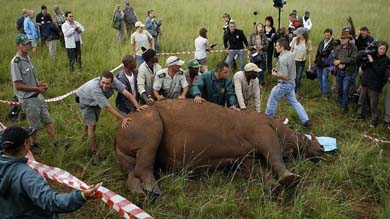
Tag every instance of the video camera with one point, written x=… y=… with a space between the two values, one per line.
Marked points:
x=279 y=3
x=371 y=49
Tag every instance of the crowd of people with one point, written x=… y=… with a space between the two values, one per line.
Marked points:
x=143 y=81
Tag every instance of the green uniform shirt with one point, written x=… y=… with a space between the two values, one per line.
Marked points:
x=216 y=91
x=23 y=70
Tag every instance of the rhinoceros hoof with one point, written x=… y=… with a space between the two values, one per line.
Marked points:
x=290 y=180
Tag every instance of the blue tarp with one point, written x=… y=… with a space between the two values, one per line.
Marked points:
x=328 y=143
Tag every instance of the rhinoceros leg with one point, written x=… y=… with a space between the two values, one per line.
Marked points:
x=267 y=144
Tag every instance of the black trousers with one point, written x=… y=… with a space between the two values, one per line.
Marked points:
x=74 y=55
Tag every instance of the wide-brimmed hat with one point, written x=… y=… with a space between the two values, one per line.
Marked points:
x=139 y=24
x=345 y=34
x=251 y=67
x=174 y=60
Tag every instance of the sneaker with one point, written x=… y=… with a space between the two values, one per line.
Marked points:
x=307 y=124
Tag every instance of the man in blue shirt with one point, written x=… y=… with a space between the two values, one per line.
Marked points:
x=23 y=192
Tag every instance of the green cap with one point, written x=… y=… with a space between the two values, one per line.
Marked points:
x=193 y=63
x=22 y=39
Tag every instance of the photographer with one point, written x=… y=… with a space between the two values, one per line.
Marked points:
x=258 y=45
x=373 y=79
x=324 y=60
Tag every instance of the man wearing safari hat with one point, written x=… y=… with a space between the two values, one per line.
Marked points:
x=170 y=82
x=344 y=61
x=246 y=85
x=29 y=91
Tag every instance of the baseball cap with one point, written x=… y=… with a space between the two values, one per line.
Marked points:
x=300 y=30
x=193 y=63
x=139 y=24
x=174 y=60
x=15 y=136
x=22 y=39
x=251 y=67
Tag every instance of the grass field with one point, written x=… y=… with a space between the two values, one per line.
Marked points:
x=354 y=183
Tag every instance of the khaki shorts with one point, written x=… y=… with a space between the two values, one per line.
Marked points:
x=36 y=110
x=203 y=61
x=34 y=43
x=90 y=114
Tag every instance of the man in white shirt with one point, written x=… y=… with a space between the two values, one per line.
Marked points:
x=72 y=33
x=307 y=21
x=246 y=85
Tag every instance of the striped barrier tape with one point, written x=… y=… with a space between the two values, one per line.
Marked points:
x=376 y=140
x=192 y=52
x=124 y=207
x=56 y=99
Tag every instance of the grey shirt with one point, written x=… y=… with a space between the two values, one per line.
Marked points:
x=171 y=87
x=286 y=66
x=23 y=70
x=91 y=94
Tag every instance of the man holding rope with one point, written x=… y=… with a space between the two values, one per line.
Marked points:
x=23 y=192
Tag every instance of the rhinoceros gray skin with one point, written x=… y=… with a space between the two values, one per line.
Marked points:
x=179 y=134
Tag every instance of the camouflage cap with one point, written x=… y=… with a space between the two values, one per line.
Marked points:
x=22 y=39
x=193 y=63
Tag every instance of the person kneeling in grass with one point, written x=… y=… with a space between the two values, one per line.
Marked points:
x=23 y=192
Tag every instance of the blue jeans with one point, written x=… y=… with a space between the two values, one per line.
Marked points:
x=300 y=65
x=156 y=46
x=285 y=90
x=322 y=77
x=343 y=83
x=140 y=60
x=230 y=57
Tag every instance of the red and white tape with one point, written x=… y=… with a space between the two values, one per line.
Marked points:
x=56 y=99
x=192 y=52
x=376 y=140
x=124 y=207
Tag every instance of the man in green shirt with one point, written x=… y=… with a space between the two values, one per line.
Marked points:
x=214 y=86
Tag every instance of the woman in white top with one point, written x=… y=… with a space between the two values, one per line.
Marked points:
x=140 y=38
x=301 y=48
x=201 y=47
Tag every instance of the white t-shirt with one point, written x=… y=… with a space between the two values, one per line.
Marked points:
x=132 y=84
x=200 y=47
x=141 y=40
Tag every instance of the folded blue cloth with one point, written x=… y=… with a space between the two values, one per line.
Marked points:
x=328 y=143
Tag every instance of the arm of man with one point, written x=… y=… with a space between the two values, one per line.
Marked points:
x=230 y=95
x=41 y=194
x=185 y=86
x=157 y=84
x=256 y=95
x=350 y=59
x=244 y=40
x=225 y=40
x=238 y=92
x=67 y=29
x=196 y=89
x=133 y=44
x=19 y=85
x=80 y=26
x=132 y=99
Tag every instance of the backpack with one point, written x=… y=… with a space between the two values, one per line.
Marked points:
x=116 y=22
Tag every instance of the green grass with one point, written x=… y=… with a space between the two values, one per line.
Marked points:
x=354 y=183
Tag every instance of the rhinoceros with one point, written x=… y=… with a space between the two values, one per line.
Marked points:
x=177 y=134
